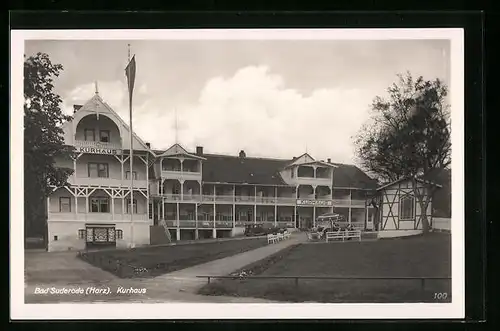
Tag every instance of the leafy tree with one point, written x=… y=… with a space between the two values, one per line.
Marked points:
x=408 y=135
x=43 y=140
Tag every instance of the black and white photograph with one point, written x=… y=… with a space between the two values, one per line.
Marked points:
x=237 y=173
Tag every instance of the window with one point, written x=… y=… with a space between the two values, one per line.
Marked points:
x=98 y=170
x=150 y=211
x=407 y=208
x=89 y=134
x=134 y=175
x=119 y=234
x=82 y=234
x=104 y=136
x=65 y=205
x=176 y=190
x=99 y=205
x=134 y=205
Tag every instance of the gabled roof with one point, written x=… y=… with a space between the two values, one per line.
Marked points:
x=331 y=165
x=408 y=178
x=246 y=170
x=178 y=150
x=97 y=99
x=296 y=159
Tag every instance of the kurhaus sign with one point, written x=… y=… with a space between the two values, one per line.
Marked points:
x=92 y=150
x=306 y=202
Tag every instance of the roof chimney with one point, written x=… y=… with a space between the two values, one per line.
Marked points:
x=199 y=150
x=242 y=153
x=148 y=144
x=76 y=107
x=329 y=160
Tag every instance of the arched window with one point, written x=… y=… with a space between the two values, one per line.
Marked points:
x=407 y=208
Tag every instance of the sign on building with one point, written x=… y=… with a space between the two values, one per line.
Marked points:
x=105 y=151
x=319 y=203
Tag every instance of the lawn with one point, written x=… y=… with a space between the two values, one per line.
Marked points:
x=155 y=261
x=421 y=256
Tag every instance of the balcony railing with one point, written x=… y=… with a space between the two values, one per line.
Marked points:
x=224 y=198
x=254 y=200
x=104 y=181
x=223 y=224
x=81 y=215
x=96 y=144
x=186 y=175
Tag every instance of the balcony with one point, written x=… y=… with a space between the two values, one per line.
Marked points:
x=100 y=217
x=103 y=181
x=313 y=181
x=323 y=201
x=181 y=175
x=224 y=198
x=224 y=224
x=79 y=144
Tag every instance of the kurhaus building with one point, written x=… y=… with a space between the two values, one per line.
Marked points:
x=193 y=194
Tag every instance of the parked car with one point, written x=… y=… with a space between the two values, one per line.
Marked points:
x=260 y=229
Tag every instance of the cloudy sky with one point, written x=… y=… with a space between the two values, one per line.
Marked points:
x=269 y=98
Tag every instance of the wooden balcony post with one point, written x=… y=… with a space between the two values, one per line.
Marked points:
x=181 y=181
x=177 y=218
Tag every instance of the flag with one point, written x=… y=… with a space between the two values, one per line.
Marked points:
x=130 y=73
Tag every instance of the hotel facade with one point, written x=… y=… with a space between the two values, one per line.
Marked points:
x=192 y=194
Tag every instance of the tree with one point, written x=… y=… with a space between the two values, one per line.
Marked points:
x=408 y=135
x=43 y=140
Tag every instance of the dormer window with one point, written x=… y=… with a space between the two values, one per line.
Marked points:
x=104 y=136
x=89 y=134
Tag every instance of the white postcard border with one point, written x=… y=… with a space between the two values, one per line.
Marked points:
x=455 y=309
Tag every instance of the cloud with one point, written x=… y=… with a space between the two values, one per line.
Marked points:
x=251 y=110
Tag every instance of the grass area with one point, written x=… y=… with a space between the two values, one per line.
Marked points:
x=154 y=261
x=421 y=256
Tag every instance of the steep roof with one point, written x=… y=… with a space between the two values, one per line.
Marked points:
x=348 y=175
x=418 y=179
x=245 y=170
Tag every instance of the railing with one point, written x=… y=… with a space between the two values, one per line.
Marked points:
x=286 y=200
x=96 y=144
x=106 y=181
x=343 y=235
x=207 y=197
x=191 y=197
x=172 y=197
x=187 y=223
x=82 y=215
x=224 y=198
x=223 y=224
x=422 y=280
x=180 y=174
x=242 y=199
x=205 y=224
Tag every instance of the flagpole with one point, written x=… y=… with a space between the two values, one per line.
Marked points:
x=132 y=243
